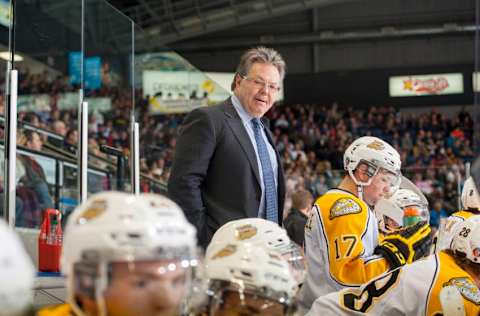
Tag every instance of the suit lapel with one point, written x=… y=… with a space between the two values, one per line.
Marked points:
x=236 y=125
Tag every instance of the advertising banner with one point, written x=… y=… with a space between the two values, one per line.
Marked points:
x=174 y=87
x=426 y=85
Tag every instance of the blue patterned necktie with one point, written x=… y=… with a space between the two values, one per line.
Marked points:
x=271 y=201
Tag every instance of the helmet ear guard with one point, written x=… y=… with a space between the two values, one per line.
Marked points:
x=86 y=275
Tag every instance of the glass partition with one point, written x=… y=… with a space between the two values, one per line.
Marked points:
x=108 y=86
x=98 y=180
x=48 y=56
x=36 y=185
x=5 y=46
x=476 y=84
x=167 y=88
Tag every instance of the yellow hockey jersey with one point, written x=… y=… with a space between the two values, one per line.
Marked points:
x=413 y=289
x=340 y=237
x=57 y=310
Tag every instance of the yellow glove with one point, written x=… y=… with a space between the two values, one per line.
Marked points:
x=406 y=245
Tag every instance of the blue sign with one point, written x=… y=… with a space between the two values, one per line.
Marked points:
x=93 y=76
x=74 y=67
x=92 y=70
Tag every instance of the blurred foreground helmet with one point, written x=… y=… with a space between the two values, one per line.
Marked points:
x=17 y=274
x=245 y=279
x=265 y=234
x=122 y=251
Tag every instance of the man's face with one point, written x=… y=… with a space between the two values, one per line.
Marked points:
x=379 y=188
x=145 y=289
x=257 y=98
x=35 y=143
x=237 y=304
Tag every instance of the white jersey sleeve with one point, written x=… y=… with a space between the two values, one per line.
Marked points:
x=403 y=291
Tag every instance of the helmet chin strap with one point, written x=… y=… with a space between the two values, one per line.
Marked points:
x=360 y=192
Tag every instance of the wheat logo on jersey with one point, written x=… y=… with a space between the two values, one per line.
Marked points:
x=344 y=206
x=466 y=288
x=95 y=209
x=225 y=252
x=377 y=145
x=245 y=232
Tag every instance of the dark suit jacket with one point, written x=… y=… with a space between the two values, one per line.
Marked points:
x=215 y=176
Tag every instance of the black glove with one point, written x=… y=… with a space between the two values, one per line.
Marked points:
x=406 y=245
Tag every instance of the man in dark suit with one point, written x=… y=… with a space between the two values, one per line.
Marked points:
x=225 y=165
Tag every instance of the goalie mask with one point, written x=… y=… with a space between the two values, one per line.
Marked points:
x=128 y=255
x=403 y=208
x=245 y=279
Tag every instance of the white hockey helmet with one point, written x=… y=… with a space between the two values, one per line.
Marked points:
x=17 y=274
x=470 y=196
x=115 y=227
x=245 y=268
x=394 y=208
x=376 y=154
x=466 y=239
x=265 y=234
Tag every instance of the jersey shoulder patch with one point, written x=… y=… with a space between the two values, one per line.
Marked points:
x=468 y=290
x=344 y=206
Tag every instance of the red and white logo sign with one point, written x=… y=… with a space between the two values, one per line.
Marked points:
x=421 y=85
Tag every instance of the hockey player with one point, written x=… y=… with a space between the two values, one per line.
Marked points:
x=245 y=279
x=341 y=235
x=127 y=255
x=471 y=206
x=416 y=289
x=17 y=275
x=265 y=234
x=403 y=208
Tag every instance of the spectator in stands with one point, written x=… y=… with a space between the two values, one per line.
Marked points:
x=71 y=140
x=437 y=213
x=32 y=189
x=226 y=166
x=296 y=219
x=60 y=128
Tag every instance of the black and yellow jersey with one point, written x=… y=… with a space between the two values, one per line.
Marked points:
x=413 y=289
x=340 y=237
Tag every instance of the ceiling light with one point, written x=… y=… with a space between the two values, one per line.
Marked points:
x=7 y=55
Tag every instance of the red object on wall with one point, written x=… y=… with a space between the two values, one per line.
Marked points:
x=50 y=241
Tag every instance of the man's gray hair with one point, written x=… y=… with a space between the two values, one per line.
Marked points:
x=261 y=55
